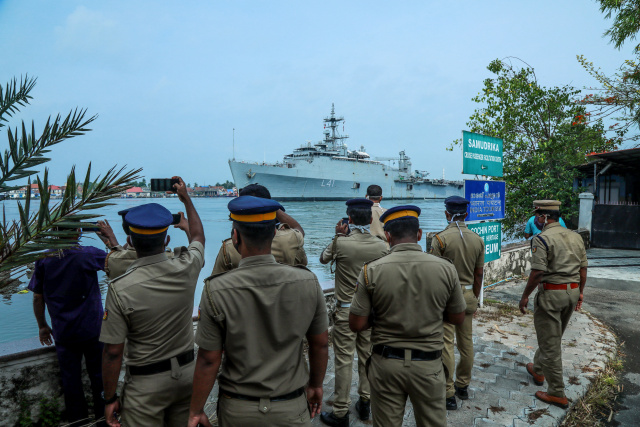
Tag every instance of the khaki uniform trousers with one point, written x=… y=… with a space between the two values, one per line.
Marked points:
x=464 y=340
x=392 y=380
x=246 y=413
x=160 y=399
x=345 y=343
x=552 y=310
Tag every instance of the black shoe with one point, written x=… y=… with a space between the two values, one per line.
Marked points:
x=363 y=407
x=330 y=419
x=462 y=392
x=452 y=405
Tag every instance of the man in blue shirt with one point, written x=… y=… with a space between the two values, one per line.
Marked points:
x=67 y=283
x=534 y=227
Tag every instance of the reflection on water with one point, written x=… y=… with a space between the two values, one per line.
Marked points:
x=317 y=218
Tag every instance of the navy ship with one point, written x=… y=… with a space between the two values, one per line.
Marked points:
x=328 y=170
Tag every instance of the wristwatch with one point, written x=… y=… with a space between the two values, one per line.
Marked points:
x=109 y=401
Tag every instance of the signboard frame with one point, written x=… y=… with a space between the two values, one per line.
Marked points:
x=488 y=187
x=480 y=154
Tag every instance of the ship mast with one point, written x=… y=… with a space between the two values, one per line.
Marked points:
x=333 y=122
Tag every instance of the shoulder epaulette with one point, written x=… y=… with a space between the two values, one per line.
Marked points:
x=213 y=276
x=439 y=241
x=218 y=316
x=542 y=240
x=129 y=271
x=225 y=255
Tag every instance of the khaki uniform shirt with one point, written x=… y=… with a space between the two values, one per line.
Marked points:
x=350 y=253
x=466 y=253
x=260 y=313
x=119 y=260
x=558 y=252
x=287 y=247
x=408 y=291
x=151 y=306
x=377 y=228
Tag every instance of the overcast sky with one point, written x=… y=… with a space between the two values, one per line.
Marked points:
x=170 y=80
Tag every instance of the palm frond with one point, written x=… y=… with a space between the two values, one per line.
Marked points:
x=15 y=95
x=26 y=151
x=40 y=233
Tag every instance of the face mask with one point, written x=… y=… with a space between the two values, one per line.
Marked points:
x=452 y=220
x=362 y=228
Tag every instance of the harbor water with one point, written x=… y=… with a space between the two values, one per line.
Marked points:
x=317 y=218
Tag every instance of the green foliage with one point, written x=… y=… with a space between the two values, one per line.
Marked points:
x=617 y=97
x=626 y=19
x=24 y=417
x=545 y=132
x=142 y=183
x=49 y=412
x=227 y=184
x=36 y=234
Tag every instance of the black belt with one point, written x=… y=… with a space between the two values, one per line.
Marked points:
x=288 y=396
x=162 y=366
x=398 y=353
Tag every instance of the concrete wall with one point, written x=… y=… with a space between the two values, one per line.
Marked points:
x=515 y=260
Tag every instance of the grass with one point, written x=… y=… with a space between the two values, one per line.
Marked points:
x=500 y=311
x=597 y=406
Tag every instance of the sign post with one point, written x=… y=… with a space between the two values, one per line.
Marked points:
x=481 y=154
x=486 y=199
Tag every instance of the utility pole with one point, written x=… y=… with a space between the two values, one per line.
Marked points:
x=234 y=144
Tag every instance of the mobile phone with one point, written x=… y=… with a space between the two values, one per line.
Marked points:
x=176 y=219
x=345 y=221
x=163 y=184
x=89 y=229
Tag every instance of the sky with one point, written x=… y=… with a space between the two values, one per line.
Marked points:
x=170 y=81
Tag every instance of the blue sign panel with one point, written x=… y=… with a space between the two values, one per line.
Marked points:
x=487 y=199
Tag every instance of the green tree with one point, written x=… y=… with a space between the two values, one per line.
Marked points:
x=35 y=234
x=545 y=132
x=626 y=20
x=227 y=184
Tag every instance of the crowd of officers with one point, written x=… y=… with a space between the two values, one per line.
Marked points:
x=399 y=308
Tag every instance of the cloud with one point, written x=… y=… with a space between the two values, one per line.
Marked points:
x=86 y=31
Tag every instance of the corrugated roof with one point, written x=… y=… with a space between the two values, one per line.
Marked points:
x=630 y=157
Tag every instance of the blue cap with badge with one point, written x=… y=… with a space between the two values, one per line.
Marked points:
x=359 y=203
x=250 y=209
x=456 y=204
x=398 y=212
x=150 y=218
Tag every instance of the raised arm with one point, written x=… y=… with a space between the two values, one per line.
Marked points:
x=195 y=225
x=285 y=218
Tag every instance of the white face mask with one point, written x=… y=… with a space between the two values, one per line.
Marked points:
x=362 y=228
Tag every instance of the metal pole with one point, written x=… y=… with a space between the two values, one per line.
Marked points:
x=234 y=144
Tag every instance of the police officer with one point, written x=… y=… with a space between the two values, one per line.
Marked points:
x=350 y=252
x=288 y=245
x=374 y=193
x=559 y=271
x=466 y=249
x=259 y=314
x=119 y=258
x=405 y=296
x=150 y=307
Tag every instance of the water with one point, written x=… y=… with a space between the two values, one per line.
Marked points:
x=317 y=218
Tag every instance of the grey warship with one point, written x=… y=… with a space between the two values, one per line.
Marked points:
x=328 y=170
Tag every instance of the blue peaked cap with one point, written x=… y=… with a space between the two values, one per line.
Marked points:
x=250 y=209
x=359 y=203
x=397 y=212
x=456 y=204
x=150 y=216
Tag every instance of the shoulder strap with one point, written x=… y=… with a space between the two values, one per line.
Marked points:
x=218 y=316
x=367 y=285
x=225 y=256
x=439 y=241
x=334 y=253
x=542 y=240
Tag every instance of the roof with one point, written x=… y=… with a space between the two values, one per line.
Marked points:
x=630 y=157
x=134 y=190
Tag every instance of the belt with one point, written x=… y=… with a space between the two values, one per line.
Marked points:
x=288 y=396
x=162 y=366
x=467 y=287
x=398 y=353
x=343 y=304
x=560 y=286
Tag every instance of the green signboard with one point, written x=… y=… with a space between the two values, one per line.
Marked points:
x=481 y=154
x=491 y=233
